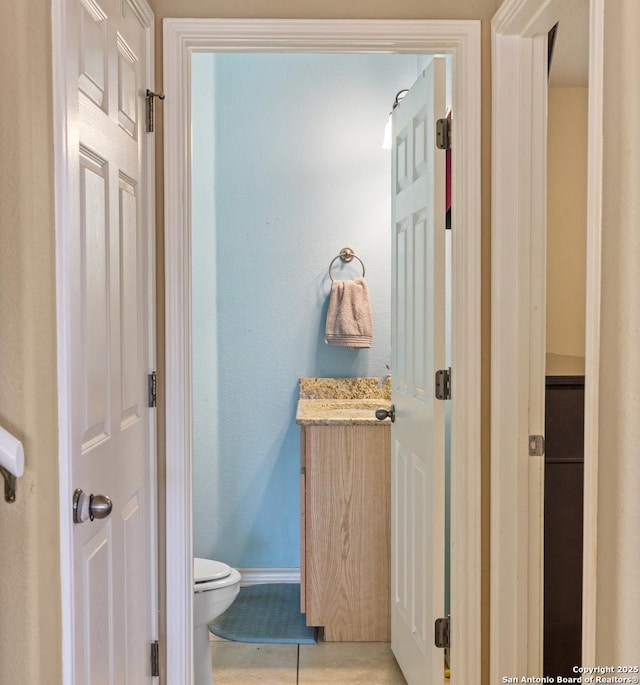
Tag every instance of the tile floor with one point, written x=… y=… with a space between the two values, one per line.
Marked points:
x=327 y=663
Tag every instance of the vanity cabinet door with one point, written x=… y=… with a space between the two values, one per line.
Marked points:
x=347 y=524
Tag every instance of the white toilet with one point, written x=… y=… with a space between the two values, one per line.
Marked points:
x=215 y=587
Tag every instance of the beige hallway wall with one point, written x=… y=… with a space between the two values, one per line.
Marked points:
x=618 y=559
x=566 y=222
x=30 y=641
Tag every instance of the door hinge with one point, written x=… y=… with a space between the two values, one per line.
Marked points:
x=443 y=632
x=155 y=659
x=151 y=113
x=443 y=134
x=152 y=385
x=443 y=384
x=536 y=445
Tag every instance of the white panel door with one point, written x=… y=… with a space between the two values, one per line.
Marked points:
x=418 y=350
x=113 y=562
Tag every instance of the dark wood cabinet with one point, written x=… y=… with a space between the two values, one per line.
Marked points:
x=563 y=507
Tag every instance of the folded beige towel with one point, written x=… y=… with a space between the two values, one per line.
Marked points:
x=349 y=321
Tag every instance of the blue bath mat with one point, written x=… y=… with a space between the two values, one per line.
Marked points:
x=265 y=613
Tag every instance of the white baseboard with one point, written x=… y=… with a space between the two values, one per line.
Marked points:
x=255 y=576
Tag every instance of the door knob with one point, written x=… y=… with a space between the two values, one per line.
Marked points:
x=382 y=414
x=90 y=506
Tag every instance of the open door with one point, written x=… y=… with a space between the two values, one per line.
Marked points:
x=107 y=340
x=418 y=351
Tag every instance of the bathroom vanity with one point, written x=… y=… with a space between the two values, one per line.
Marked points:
x=345 y=508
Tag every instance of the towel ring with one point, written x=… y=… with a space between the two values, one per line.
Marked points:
x=346 y=255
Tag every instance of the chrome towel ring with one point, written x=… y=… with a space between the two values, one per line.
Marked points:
x=346 y=255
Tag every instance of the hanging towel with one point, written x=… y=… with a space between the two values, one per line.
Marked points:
x=349 y=321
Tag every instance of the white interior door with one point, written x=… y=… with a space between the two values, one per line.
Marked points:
x=418 y=350
x=110 y=340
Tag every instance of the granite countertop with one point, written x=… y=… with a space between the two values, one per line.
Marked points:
x=342 y=401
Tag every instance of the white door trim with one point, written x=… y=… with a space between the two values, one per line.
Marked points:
x=518 y=240
x=592 y=329
x=460 y=38
x=65 y=216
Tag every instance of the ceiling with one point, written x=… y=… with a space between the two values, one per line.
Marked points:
x=570 y=64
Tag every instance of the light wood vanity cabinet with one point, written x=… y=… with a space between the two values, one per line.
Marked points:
x=345 y=530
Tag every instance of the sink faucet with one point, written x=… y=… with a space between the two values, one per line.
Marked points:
x=383 y=379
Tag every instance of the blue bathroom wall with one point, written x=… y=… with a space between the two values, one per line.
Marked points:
x=287 y=169
x=203 y=298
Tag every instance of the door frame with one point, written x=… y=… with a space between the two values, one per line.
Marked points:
x=65 y=219
x=182 y=37
x=519 y=178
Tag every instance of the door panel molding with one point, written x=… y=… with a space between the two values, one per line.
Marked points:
x=182 y=37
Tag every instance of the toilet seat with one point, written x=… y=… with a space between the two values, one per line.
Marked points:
x=211 y=575
x=205 y=570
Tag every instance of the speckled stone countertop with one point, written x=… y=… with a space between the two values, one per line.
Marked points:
x=342 y=401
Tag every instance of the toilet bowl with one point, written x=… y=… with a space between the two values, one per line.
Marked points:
x=215 y=587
